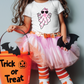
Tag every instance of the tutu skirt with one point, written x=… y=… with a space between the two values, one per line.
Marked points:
x=46 y=52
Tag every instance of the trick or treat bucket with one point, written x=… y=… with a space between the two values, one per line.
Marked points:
x=15 y=69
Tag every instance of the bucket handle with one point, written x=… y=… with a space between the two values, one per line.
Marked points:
x=15 y=29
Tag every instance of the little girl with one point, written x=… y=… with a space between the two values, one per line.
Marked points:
x=46 y=18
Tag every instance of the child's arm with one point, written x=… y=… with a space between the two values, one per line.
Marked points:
x=63 y=28
x=25 y=27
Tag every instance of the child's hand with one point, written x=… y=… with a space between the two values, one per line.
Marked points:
x=11 y=28
x=65 y=41
x=64 y=48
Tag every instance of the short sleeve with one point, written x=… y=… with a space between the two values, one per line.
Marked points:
x=27 y=11
x=59 y=8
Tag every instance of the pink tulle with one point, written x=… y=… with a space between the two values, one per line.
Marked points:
x=47 y=53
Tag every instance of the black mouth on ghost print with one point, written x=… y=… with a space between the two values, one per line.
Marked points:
x=44 y=17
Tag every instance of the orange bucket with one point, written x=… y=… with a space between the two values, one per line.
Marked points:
x=15 y=69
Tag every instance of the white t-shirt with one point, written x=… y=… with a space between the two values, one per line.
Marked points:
x=44 y=16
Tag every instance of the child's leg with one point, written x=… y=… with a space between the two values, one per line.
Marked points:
x=63 y=76
x=43 y=75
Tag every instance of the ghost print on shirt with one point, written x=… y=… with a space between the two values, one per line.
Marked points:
x=44 y=17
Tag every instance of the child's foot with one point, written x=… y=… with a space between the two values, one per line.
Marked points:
x=44 y=81
x=66 y=80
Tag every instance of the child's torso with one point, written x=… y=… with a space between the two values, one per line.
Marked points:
x=44 y=17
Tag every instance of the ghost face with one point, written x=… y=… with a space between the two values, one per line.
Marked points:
x=44 y=13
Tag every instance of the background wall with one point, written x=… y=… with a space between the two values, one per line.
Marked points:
x=75 y=24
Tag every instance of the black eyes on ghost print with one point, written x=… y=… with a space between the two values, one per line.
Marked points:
x=44 y=11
